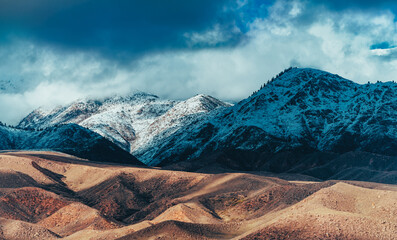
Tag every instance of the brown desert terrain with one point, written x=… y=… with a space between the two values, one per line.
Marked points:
x=49 y=195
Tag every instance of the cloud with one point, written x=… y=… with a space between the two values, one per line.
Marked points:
x=213 y=37
x=15 y=106
x=25 y=65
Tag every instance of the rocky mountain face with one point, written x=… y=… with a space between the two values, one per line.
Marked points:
x=302 y=119
x=130 y=122
x=69 y=138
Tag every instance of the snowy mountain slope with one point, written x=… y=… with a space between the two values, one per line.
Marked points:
x=302 y=110
x=189 y=112
x=117 y=118
x=70 y=138
x=130 y=122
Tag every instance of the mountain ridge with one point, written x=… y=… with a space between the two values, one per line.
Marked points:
x=127 y=121
x=288 y=115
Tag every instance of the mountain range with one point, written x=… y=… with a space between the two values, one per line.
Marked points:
x=303 y=121
x=130 y=122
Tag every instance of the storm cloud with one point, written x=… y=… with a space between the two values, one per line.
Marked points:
x=117 y=29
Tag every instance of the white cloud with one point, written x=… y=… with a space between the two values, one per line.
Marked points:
x=211 y=37
x=384 y=52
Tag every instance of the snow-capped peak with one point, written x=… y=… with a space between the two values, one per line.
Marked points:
x=295 y=78
x=129 y=121
x=299 y=109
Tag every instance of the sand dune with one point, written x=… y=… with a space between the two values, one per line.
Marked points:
x=76 y=217
x=14 y=229
x=47 y=195
x=342 y=211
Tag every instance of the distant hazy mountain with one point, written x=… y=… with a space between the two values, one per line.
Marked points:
x=69 y=138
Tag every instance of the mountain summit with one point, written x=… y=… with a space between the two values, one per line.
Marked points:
x=318 y=110
x=301 y=115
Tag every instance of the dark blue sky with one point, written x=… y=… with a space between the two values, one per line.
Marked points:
x=131 y=28
x=117 y=28
x=177 y=48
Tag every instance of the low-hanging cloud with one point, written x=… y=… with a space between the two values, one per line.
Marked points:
x=285 y=33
